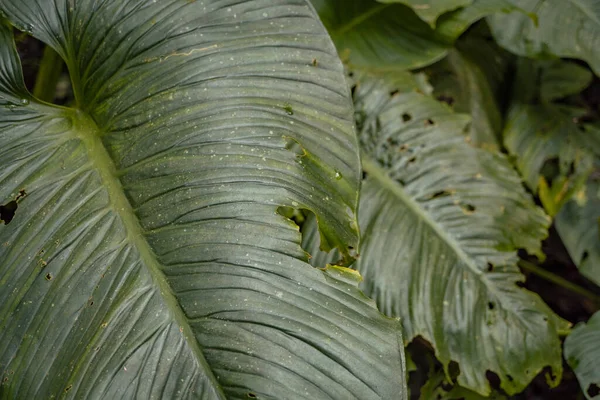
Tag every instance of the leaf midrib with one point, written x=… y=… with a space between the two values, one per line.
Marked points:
x=375 y=171
x=86 y=130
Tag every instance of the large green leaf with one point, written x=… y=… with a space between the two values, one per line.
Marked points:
x=563 y=28
x=430 y=10
x=582 y=353
x=578 y=224
x=553 y=149
x=145 y=257
x=441 y=222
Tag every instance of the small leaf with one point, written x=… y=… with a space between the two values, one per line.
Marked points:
x=577 y=225
x=582 y=353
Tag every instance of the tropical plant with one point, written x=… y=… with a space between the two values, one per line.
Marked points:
x=158 y=227
x=471 y=152
x=143 y=255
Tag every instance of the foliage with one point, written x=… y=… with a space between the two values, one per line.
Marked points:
x=142 y=253
x=581 y=351
x=443 y=211
x=158 y=230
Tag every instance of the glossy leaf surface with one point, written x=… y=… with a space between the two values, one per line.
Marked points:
x=146 y=257
x=441 y=222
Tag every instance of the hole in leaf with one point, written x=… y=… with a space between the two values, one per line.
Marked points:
x=593 y=390
x=509 y=377
x=440 y=194
x=403 y=148
x=491 y=305
x=412 y=159
x=252 y=396
x=453 y=370
x=429 y=122
x=467 y=208
x=446 y=99
x=68 y=388
x=406 y=117
x=585 y=256
x=394 y=92
x=364 y=175
x=8 y=210
x=490 y=267
x=493 y=378
x=49 y=276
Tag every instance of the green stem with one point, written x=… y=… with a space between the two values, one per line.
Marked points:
x=549 y=276
x=48 y=75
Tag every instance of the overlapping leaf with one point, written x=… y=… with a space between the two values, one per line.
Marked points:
x=553 y=149
x=441 y=223
x=471 y=80
x=582 y=353
x=578 y=224
x=145 y=257
x=563 y=28
x=391 y=36
x=380 y=36
x=430 y=10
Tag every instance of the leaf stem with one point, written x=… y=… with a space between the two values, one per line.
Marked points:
x=51 y=68
x=557 y=280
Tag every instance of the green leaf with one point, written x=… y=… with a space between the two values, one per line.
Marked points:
x=379 y=36
x=552 y=148
x=471 y=80
x=582 y=353
x=563 y=28
x=438 y=387
x=145 y=257
x=441 y=222
x=391 y=37
x=430 y=10
x=451 y=25
x=578 y=224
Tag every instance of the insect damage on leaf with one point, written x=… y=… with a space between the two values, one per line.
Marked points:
x=8 y=210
